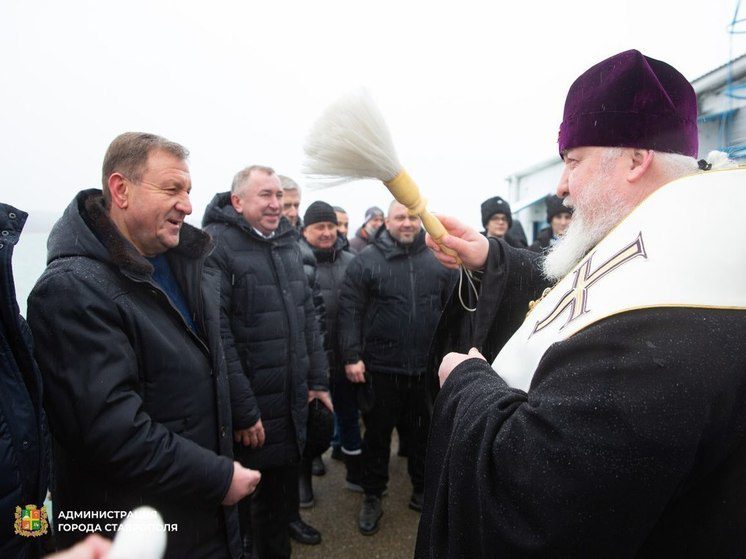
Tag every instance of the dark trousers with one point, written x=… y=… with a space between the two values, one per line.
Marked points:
x=271 y=508
x=346 y=413
x=394 y=393
x=294 y=494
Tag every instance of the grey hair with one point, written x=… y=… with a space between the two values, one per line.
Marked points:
x=242 y=177
x=676 y=165
x=288 y=184
x=681 y=165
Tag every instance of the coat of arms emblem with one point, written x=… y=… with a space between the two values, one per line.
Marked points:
x=31 y=521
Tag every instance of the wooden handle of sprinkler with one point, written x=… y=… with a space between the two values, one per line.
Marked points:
x=433 y=226
x=406 y=192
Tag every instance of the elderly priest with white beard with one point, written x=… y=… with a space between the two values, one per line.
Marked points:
x=612 y=421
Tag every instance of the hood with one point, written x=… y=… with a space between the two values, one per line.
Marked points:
x=85 y=229
x=391 y=248
x=221 y=211
x=12 y=221
x=71 y=235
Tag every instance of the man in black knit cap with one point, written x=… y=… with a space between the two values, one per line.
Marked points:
x=321 y=235
x=558 y=218
x=497 y=220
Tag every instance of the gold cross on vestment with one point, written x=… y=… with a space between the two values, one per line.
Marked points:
x=576 y=298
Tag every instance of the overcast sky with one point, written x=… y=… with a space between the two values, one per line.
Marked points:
x=472 y=91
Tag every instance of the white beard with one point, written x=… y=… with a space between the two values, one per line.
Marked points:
x=596 y=213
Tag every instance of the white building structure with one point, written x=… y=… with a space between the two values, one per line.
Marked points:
x=721 y=96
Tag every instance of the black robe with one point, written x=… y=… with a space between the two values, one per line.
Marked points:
x=630 y=442
x=510 y=280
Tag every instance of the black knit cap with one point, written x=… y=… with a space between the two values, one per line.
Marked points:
x=319 y=211
x=555 y=207
x=495 y=205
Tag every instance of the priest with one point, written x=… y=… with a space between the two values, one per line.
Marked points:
x=612 y=422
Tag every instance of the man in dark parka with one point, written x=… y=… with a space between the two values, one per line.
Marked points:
x=273 y=347
x=126 y=323
x=393 y=294
x=24 y=446
x=321 y=237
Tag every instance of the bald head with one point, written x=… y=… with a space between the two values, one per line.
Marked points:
x=402 y=226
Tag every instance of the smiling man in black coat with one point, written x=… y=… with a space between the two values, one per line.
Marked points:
x=273 y=347
x=393 y=294
x=320 y=236
x=127 y=329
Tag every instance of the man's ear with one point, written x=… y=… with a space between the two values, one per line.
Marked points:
x=119 y=190
x=640 y=159
x=237 y=203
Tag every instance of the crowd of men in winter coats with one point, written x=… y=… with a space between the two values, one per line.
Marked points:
x=198 y=371
x=179 y=365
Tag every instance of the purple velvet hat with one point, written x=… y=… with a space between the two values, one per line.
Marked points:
x=630 y=100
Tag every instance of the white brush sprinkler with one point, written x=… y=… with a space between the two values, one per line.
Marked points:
x=351 y=141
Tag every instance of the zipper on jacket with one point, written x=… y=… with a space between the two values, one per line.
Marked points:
x=160 y=293
x=275 y=259
x=200 y=314
x=413 y=317
x=413 y=313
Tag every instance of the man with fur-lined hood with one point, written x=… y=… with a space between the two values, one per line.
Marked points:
x=127 y=329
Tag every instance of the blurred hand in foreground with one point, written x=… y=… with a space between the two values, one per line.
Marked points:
x=93 y=547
